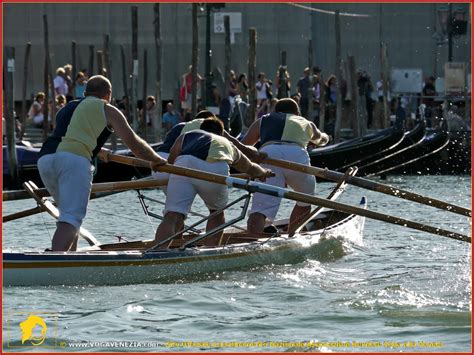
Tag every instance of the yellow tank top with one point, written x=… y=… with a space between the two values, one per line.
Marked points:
x=87 y=123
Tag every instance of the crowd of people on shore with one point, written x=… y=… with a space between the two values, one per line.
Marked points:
x=311 y=92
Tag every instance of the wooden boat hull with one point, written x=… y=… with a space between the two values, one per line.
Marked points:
x=389 y=158
x=454 y=157
x=108 y=267
x=350 y=152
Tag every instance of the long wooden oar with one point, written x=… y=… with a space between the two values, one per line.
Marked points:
x=370 y=185
x=21 y=214
x=253 y=186
x=98 y=190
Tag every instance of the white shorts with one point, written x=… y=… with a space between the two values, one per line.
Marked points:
x=68 y=178
x=182 y=190
x=300 y=182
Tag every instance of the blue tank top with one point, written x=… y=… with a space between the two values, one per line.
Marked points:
x=285 y=127
x=209 y=147
x=176 y=131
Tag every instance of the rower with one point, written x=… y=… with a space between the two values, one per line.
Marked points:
x=83 y=126
x=205 y=149
x=172 y=135
x=184 y=127
x=283 y=134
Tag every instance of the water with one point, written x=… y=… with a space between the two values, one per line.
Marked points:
x=403 y=290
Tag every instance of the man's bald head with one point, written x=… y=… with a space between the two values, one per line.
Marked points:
x=99 y=86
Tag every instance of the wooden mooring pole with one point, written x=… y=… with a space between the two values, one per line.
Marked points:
x=195 y=58
x=322 y=103
x=24 y=112
x=9 y=65
x=74 y=65
x=385 y=79
x=282 y=89
x=337 y=124
x=90 y=69
x=134 y=89
x=145 y=88
x=48 y=84
x=312 y=84
x=252 y=76
x=227 y=54
x=100 y=62
x=158 y=47
x=125 y=78
x=355 y=116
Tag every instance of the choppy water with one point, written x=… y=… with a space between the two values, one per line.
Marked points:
x=403 y=290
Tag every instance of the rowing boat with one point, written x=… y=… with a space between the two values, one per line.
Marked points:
x=189 y=255
x=134 y=262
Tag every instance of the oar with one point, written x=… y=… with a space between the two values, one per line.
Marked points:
x=370 y=185
x=98 y=190
x=253 y=186
x=21 y=214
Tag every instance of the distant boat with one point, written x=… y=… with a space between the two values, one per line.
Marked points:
x=347 y=153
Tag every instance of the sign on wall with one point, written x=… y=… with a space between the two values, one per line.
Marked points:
x=406 y=80
x=455 y=77
x=235 y=22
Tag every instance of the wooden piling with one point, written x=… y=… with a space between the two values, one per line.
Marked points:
x=48 y=83
x=145 y=82
x=322 y=103
x=24 y=112
x=195 y=58
x=385 y=78
x=90 y=69
x=8 y=97
x=106 y=57
x=74 y=66
x=158 y=46
x=355 y=116
x=227 y=55
x=100 y=62
x=252 y=76
x=134 y=88
x=282 y=90
x=125 y=78
x=337 y=125
x=312 y=84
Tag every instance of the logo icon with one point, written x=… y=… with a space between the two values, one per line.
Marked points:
x=29 y=331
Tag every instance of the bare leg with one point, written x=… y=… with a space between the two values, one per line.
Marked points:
x=64 y=237
x=256 y=223
x=212 y=223
x=298 y=214
x=170 y=225
x=74 y=244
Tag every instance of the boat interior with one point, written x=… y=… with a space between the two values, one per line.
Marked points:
x=233 y=235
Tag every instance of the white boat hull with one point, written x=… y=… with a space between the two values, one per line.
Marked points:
x=95 y=267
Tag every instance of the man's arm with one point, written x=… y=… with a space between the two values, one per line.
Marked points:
x=244 y=165
x=138 y=146
x=319 y=138
x=249 y=151
x=175 y=149
x=253 y=134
